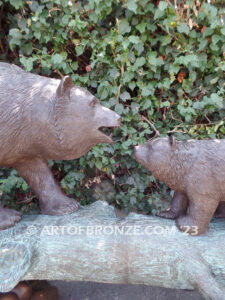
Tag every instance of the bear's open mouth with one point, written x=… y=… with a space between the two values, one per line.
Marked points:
x=106 y=133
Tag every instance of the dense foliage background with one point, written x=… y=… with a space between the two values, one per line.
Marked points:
x=163 y=60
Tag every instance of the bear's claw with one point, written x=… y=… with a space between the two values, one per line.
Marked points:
x=62 y=206
x=9 y=217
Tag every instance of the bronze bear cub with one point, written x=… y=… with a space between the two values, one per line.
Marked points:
x=40 y=119
x=195 y=170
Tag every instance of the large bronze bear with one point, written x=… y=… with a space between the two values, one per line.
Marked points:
x=195 y=170
x=41 y=119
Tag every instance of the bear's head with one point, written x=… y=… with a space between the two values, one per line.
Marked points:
x=79 y=118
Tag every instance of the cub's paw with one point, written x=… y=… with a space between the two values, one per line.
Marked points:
x=9 y=217
x=60 y=206
x=168 y=214
x=188 y=225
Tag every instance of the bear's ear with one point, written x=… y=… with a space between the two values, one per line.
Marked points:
x=172 y=140
x=64 y=87
x=62 y=99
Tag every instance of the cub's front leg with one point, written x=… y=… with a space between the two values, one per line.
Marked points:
x=201 y=210
x=178 y=207
x=39 y=177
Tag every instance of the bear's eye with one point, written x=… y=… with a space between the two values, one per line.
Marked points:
x=93 y=102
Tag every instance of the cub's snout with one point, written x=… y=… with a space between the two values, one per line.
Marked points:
x=140 y=153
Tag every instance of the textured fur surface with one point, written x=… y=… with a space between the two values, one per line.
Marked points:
x=41 y=119
x=195 y=170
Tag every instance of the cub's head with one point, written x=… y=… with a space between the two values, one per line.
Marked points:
x=155 y=154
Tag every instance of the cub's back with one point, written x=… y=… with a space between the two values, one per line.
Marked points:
x=209 y=163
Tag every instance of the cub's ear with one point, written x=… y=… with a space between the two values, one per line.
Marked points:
x=172 y=140
x=64 y=87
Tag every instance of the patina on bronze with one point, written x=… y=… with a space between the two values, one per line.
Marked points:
x=111 y=250
x=40 y=119
x=195 y=170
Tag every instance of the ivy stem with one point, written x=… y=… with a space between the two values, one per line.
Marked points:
x=157 y=133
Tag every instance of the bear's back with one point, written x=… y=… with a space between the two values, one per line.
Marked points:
x=26 y=101
x=17 y=85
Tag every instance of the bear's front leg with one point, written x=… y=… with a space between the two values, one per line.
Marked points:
x=51 y=199
x=178 y=207
x=8 y=217
x=201 y=210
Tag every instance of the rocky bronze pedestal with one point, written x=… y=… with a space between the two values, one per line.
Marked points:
x=92 y=244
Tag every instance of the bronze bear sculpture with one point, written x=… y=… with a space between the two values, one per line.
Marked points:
x=195 y=170
x=40 y=119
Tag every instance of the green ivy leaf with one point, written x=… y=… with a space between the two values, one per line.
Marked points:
x=147 y=90
x=141 y=27
x=165 y=104
x=114 y=73
x=162 y=5
x=132 y=5
x=215 y=39
x=98 y=164
x=146 y=104
x=124 y=27
x=140 y=61
x=119 y=108
x=166 y=40
x=27 y=48
x=79 y=50
x=124 y=96
x=57 y=59
x=217 y=100
x=208 y=31
x=183 y=28
x=158 y=14
x=15 y=37
x=132 y=85
x=139 y=48
x=135 y=107
x=27 y=63
x=16 y=3
x=134 y=39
